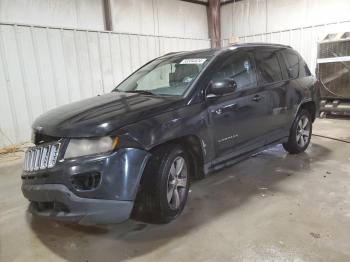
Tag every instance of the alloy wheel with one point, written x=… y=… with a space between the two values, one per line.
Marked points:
x=303 y=131
x=177 y=182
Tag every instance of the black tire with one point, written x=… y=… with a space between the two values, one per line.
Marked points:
x=151 y=204
x=295 y=145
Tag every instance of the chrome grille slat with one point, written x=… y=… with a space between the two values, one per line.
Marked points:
x=53 y=156
x=25 y=166
x=36 y=159
x=32 y=160
x=41 y=157
x=44 y=158
x=30 y=156
x=29 y=159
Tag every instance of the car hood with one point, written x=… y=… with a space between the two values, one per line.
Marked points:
x=101 y=115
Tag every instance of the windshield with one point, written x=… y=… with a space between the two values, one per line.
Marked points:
x=167 y=76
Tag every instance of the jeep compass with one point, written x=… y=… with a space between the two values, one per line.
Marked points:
x=133 y=152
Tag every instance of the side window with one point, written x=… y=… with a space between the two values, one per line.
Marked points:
x=304 y=69
x=292 y=63
x=268 y=66
x=237 y=67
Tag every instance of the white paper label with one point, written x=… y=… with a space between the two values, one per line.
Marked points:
x=196 y=61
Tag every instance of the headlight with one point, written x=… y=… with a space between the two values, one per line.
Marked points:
x=90 y=146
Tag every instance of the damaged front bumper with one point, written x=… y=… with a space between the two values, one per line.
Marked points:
x=59 y=192
x=58 y=202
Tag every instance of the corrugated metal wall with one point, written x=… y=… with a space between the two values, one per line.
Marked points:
x=44 y=67
x=304 y=39
x=300 y=24
x=61 y=13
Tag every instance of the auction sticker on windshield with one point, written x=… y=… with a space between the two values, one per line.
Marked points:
x=197 y=61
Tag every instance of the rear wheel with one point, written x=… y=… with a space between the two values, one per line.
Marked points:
x=300 y=133
x=164 y=186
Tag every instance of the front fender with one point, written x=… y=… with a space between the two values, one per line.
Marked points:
x=187 y=121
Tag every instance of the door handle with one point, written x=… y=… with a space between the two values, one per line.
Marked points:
x=257 y=98
x=221 y=110
x=230 y=106
x=218 y=111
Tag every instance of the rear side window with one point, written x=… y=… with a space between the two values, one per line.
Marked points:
x=292 y=63
x=268 y=66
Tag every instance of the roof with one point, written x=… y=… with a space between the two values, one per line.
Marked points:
x=204 y=52
x=259 y=44
x=214 y=51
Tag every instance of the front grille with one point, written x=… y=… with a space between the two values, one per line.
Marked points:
x=41 y=157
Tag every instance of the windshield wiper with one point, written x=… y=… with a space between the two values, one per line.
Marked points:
x=144 y=92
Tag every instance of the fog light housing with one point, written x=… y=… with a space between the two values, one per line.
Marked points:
x=86 y=181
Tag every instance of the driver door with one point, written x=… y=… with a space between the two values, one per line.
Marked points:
x=237 y=119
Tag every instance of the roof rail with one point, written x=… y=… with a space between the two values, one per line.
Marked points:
x=172 y=53
x=260 y=44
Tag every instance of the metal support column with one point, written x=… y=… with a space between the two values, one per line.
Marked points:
x=107 y=12
x=213 y=11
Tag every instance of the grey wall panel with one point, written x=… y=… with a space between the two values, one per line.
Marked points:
x=142 y=13
x=106 y=61
x=304 y=39
x=62 y=13
x=116 y=56
x=250 y=17
x=9 y=123
x=300 y=24
x=125 y=53
x=57 y=65
x=14 y=83
x=42 y=68
x=146 y=17
x=94 y=63
x=71 y=64
x=178 y=18
x=160 y=17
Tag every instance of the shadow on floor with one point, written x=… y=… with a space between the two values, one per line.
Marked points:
x=338 y=116
x=209 y=199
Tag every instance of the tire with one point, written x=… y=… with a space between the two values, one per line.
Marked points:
x=300 y=133
x=164 y=186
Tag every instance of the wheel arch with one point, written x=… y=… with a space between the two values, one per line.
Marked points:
x=193 y=146
x=310 y=106
x=147 y=206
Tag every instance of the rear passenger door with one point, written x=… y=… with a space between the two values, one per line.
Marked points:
x=273 y=84
x=296 y=70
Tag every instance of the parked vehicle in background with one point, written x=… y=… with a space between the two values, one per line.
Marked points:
x=133 y=152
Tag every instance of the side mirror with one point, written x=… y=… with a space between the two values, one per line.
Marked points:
x=221 y=87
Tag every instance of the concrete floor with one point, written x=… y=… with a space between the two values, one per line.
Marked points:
x=270 y=207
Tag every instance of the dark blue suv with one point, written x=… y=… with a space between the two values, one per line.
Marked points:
x=133 y=152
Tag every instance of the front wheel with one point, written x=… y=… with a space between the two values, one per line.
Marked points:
x=300 y=133
x=164 y=186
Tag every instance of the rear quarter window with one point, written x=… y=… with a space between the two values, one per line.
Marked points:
x=304 y=69
x=292 y=63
